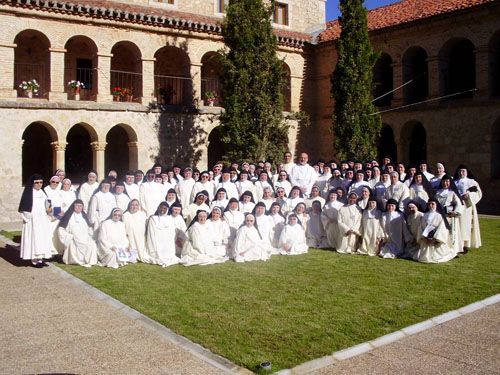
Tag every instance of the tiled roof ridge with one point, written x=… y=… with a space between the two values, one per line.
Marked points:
x=134 y=13
x=402 y=12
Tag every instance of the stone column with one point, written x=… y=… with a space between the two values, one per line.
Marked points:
x=104 y=78
x=196 y=83
x=148 y=81
x=295 y=91
x=98 y=149
x=398 y=95
x=482 y=54
x=433 y=63
x=7 y=83
x=57 y=83
x=58 y=154
x=133 y=155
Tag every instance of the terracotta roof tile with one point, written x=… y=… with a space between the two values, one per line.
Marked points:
x=403 y=12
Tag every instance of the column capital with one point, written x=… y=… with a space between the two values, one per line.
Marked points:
x=8 y=45
x=134 y=144
x=196 y=64
x=58 y=146
x=482 y=49
x=152 y=59
x=58 y=50
x=110 y=55
x=98 y=146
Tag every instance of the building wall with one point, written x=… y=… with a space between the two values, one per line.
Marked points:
x=458 y=130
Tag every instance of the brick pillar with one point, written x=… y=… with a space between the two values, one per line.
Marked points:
x=434 y=77
x=148 y=81
x=7 y=83
x=58 y=154
x=104 y=78
x=482 y=54
x=98 y=149
x=57 y=83
x=133 y=155
x=196 y=83
x=397 y=71
x=295 y=91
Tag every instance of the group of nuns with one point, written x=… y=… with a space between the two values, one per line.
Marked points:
x=202 y=218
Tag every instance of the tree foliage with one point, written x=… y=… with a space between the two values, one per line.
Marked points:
x=252 y=126
x=356 y=129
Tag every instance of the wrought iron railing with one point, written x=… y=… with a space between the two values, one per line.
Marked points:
x=24 y=72
x=171 y=90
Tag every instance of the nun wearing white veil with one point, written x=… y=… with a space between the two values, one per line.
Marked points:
x=200 y=248
x=36 y=241
x=160 y=238
x=249 y=245
x=75 y=233
x=87 y=189
x=135 y=226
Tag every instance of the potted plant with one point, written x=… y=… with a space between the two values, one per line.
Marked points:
x=211 y=97
x=75 y=87
x=30 y=87
x=167 y=94
x=117 y=93
x=127 y=95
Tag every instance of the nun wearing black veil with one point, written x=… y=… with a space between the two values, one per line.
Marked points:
x=75 y=233
x=36 y=240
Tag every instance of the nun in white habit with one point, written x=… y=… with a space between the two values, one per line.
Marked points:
x=249 y=245
x=329 y=217
x=175 y=211
x=67 y=195
x=200 y=248
x=234 y=218
x=278 y=224
x=220 y=231
x=135 y=227
x=315 y=233
x=413 y=221
x=36 y=241
x=101 y=204
x=113 y=246
x=448 y=197
x=87 y=189
x=371 y=229
x=293 y=238
x=76 y=235
x=151 y=193
x=263 y=222
x=349 y=221
x=160 y=238
x=434 y=236
x=122 y=199
x=396 y=233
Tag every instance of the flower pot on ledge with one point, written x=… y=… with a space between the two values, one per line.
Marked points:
x=129 y=98
x=29 y=94
x=116 y=98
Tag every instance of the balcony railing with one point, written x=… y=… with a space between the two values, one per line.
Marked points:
x=28 y=72
x=87 y=77
x=170 y=90
x=127 y=80
x=211 y=85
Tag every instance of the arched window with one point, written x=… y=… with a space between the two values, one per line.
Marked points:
x=414 y=138
x=215 y=147
x=415 y=70
x=80 y=64
x=173 y=84
x=495 y=150
x=458 y=68
x=387 y=145
x=37 y=152
x=32 y=62
x=126 y=69
x=383 y=80
x=120 y=154
x=79 y=160
x=211 y=75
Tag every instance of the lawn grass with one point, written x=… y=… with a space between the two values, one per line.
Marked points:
x=11 y=235
x=294 y=309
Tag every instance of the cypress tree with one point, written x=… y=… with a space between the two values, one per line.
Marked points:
x=356 y=130
x=252 y=126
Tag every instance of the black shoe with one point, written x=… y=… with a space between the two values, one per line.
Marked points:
x=44 y=264
x=38 y=265
x=466 y=250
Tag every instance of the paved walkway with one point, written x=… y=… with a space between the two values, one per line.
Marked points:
x=50 y=323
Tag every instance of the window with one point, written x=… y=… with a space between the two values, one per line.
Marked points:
x=84 y=72
x=222 y=5
x=280 y=14
x=166 y=1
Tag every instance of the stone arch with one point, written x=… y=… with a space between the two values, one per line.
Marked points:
x=415 y=70
x=495 y=150
x=80 y=64
x=287 y=88
x=414 y=142
x=383 y=80
x=32 y=61
x=215 y=147
x=121 y=149
x=387 y=145
x=211 y=76
x=37 y=154
x=173 y=85
x=494 y=76
x=126 y=68
x=79 y=159
x=457 y=66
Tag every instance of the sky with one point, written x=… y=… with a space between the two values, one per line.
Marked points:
x=333 y=12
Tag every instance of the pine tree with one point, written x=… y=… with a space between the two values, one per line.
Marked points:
x=252 y=126
x=356 y=130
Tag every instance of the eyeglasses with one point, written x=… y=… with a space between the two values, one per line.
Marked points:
x=204 y=176
x=53 y=182
x=38 y=182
